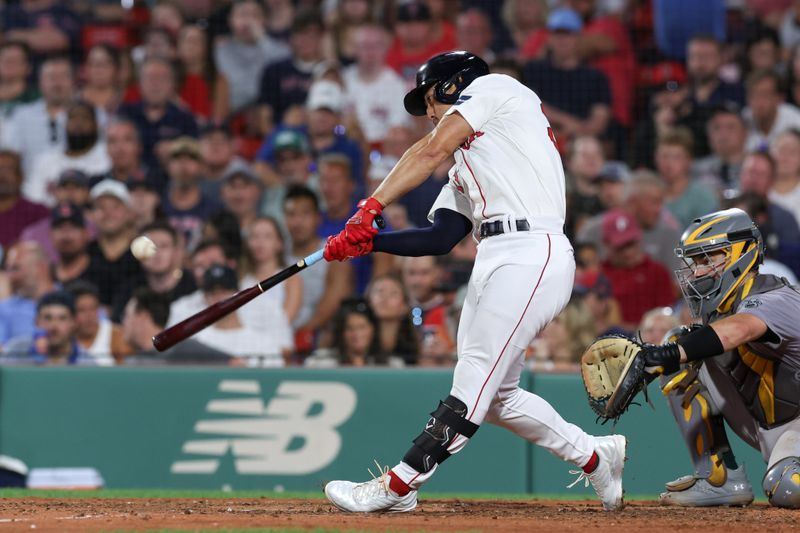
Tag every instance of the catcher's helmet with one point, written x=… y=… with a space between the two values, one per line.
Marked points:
x=706 y=284
x=452 y=71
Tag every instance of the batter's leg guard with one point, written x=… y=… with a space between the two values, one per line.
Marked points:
x=782 y=483
x=701 y=424
x=446 y=422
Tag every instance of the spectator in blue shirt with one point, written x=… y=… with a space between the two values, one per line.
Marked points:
x=185 y=204
x=28 y=272
x=157 y=117
x=54 y=341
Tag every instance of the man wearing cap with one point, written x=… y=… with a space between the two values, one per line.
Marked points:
x=72 y=187
x=290 y=162
x=241 y=195
x=156 y=117
x=606 y=44
x=643 y=198
x=146 y=196
x=70 y=240
x=53 y=342
x=414 y=40
x=218 y=153
x=185 y=205
x=727 y=134
x=325 y=106
x=259 y=347
x=28 y=272
x=16 y=212
x=112 y=266
x=374 y=92
x=285 y=84
x=638 y=282
x=576 y=97
x=84 y=151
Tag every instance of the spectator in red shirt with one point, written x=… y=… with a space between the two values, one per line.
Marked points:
x=415 y=42
x=606 y=45
x=638 y=282
x=422 y=276
x=15 y=211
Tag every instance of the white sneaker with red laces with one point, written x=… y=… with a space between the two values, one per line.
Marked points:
x=373 y=496
x=606 y=478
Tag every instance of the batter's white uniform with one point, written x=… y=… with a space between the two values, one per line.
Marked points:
x=509 y=169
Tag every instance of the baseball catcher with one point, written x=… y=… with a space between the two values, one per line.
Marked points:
x=741 y=366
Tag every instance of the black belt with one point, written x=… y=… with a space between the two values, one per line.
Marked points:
x=497 y=227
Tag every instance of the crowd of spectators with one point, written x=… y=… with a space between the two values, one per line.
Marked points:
x=238 y=134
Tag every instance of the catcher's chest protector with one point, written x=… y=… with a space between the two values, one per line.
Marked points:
x=770 y=389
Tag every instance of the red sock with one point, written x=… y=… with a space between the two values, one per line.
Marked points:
x=594 y=460
x=397 y=485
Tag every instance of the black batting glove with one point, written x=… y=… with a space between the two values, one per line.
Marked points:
x=662 y=359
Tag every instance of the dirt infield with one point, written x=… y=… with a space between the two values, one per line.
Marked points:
x=57 y=515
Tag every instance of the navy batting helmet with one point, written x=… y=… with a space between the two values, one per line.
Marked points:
x=451 y=72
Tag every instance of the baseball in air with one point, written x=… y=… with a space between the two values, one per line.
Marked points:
x=142 y=248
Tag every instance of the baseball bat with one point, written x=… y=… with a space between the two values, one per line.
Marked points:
x=188 y=327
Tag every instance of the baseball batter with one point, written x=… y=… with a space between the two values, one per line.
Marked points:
x=743 y=366
x=507 y=187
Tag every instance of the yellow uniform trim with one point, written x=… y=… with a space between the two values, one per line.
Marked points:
x=727 y=301
x=671 y=384
x=692 y=239
x=766 y=386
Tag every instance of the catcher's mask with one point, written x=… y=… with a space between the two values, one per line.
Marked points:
x=719 y=250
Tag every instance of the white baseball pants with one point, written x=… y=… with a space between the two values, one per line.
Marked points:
x=519 y=283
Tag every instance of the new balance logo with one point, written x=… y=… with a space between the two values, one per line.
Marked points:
x=263 y=438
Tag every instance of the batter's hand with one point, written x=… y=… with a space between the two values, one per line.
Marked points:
x=360 y=228
x=338 y=249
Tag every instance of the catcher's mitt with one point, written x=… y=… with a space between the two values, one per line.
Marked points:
x=613 y=370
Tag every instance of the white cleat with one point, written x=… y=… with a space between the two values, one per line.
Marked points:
x=607 y=477
x=373 y=496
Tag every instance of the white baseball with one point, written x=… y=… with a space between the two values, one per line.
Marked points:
x=142 y=248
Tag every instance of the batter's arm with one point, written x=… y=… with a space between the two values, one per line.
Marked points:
x=419 y=161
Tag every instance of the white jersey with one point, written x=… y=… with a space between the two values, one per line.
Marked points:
x=510 y=164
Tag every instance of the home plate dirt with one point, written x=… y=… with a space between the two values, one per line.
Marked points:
x=146 y=514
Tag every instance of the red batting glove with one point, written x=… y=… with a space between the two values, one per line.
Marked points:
x=338 y=249
x=359 y=228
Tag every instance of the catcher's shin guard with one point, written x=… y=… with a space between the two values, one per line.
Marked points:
x=445 y=423
x=700 y=422
x=782 y=483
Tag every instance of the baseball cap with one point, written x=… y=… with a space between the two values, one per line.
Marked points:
x=184 y=146
x=57 y=298
x=413 y=11
x=291 y=140
x=67 y=213
x=242 y=172
x=620 y=228
x=111 y=187
x=614 y=171
x=325 y=94
x=72 y=176
x=564 y=19
x=220 y=276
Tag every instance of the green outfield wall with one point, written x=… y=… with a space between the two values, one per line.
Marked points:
x=294 y=429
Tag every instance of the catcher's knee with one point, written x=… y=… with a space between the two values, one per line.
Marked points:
x=447 y=421
x=782 y=483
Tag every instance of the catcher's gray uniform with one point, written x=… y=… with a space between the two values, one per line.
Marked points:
x=756 y=390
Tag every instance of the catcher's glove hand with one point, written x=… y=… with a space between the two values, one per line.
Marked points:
x=615 y=368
